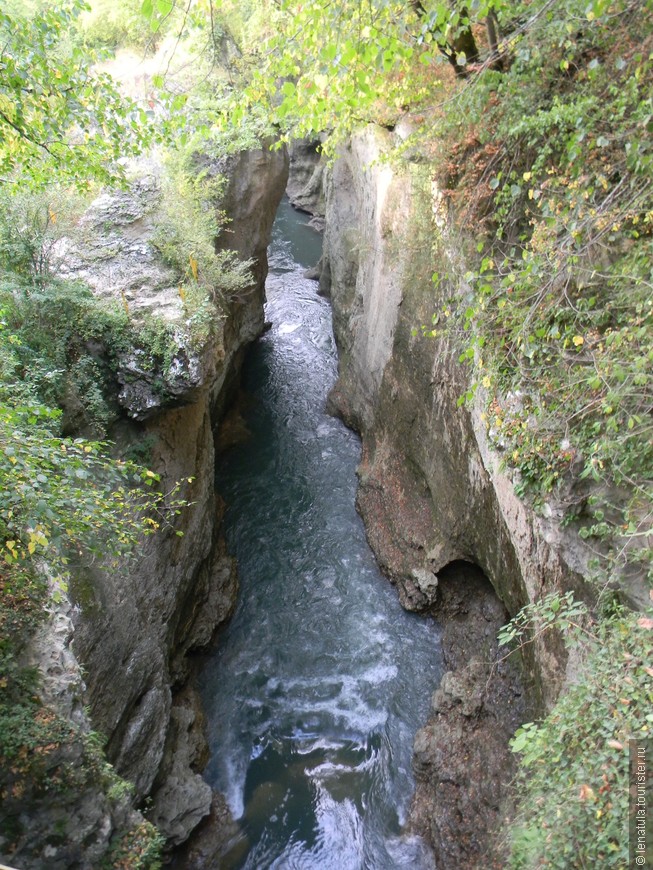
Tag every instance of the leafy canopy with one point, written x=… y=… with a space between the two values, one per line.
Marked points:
x=59 y=116
x=303 y=68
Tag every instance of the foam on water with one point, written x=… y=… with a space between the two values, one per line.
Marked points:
x=320 y=681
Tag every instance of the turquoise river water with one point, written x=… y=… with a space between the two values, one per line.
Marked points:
x=317 y=686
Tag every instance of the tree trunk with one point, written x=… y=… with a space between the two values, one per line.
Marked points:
x=462 y=43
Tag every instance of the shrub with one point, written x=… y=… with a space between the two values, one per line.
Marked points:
x=114 y=24
x=137 y=849
x=186 y=231
x=33 y=224
x=572 y=789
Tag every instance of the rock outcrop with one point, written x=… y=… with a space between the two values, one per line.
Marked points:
x=431 y=491
x=134 y=626
x=70 y=823
x=460 y=759
x=181 y=588
x=306 y=178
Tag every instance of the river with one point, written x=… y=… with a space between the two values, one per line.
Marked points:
x=318 y=684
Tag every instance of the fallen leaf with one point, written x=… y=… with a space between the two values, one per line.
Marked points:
x=586 y=793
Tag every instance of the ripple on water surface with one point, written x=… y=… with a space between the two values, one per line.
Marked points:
x=320 y=681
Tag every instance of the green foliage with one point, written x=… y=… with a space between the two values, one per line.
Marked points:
x=57 y=116
x=554 y=164
x=45 y=757
x=141 y=451
x=60 y=344
x=22 y=595
x=36 y=747
x=137 y=849
x=115 y=24
x=65 y=499
x=334 y=84
x=274 y=70
x=553 y=611
x=50 y=347
x=32 y=227
x=572 y=789
x=186 y=230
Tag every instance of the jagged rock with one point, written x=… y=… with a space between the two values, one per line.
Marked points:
x=50 y=652
x=305 y=181
x=146 y=390
x=426 y=583
x=134 y=625
x=216 y=837
x=313 y=274
x=183 y=799
x=464 y=687
x=63 y=827
x=461 y=757
x=318 y=223
x=114 y=254
x=137 y=626
x=429 y=480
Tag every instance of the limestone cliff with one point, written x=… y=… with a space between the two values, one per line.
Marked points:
x=134 y=627
x=431 y=490
x=181 y=587
x=306 y=177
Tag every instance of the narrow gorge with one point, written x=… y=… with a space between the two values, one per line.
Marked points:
x=325 y=425
x=321 y=684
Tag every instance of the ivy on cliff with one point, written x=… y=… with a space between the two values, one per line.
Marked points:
x=574 y=782
x=557 y=168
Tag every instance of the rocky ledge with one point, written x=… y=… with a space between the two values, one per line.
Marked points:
x=130 y=631
x=461 y=757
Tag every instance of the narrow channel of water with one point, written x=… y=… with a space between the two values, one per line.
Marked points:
x=318 y=685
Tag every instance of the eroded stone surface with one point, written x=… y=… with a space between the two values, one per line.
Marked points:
x=461 y=757
x=137 y=625
x=134 y=624
x=183 y=799
x=306 y=178
x=66 y=826
x=432 y=491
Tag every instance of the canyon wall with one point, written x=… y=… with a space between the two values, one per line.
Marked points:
x=432 y=493
x=306 y=178
x=115 y=655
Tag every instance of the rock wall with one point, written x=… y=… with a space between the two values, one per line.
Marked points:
x=431 y=491
x=70 y=823
x=133 y=627
x=181 y=588
x=306 y=179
